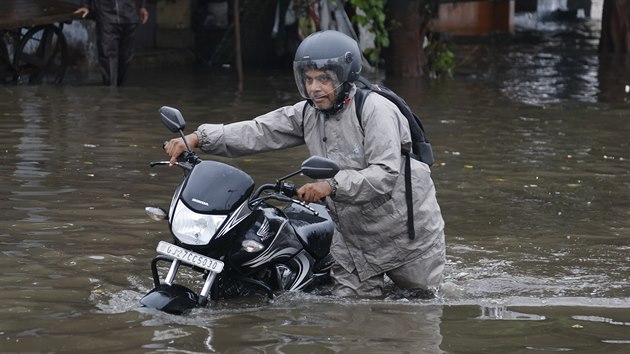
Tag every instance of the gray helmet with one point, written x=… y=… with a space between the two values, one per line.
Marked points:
x=331 y=51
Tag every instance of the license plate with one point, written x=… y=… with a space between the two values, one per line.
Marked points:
x=190 y=257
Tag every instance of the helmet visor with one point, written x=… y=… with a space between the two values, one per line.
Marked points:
x=335 y=69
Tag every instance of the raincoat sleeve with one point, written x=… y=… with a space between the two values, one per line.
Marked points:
x=383 y=135
x=277 y=129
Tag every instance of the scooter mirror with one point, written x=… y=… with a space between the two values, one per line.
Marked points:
x=318 y=167
x=172 y=118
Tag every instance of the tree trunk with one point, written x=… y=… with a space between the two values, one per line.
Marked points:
x=615 y=35
x=405 y=56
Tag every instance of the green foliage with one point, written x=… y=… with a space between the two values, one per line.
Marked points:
x=374 y=15
x=440 y=58
x=430 y=7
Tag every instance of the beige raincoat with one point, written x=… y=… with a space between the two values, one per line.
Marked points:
x=369 y=207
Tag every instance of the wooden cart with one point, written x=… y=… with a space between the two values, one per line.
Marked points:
x=33 y=48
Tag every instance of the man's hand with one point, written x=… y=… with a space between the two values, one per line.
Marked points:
x=314 y=192
x=84 y=11
x=176 y=147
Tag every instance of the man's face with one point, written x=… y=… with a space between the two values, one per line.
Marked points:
x=320 y=88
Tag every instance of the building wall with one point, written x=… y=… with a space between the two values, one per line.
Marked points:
x=475 y=17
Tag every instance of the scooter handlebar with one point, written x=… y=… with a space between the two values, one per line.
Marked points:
x=184 y=165
x=289 y=190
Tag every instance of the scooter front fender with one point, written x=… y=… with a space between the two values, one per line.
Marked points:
x=175 y=299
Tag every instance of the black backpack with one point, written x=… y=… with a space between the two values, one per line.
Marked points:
x=421 y=149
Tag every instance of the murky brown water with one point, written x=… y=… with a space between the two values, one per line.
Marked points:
x=533 y=177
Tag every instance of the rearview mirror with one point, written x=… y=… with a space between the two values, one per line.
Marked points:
x=172 y=118
x=318 y=167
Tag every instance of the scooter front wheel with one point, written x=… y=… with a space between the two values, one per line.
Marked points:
x=174 y=299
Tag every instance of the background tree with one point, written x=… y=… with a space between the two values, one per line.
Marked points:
x=615 y=35
x=407 y=23
x=399 y=27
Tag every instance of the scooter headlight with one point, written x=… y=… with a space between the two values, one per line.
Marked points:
x=192 y=228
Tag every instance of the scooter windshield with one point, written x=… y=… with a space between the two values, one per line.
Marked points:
x=216 y=188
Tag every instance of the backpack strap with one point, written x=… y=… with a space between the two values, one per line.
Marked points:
x=359 y=100
x=304 y=109
x=360 y=96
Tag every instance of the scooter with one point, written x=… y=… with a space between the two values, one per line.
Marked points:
x=240 y=242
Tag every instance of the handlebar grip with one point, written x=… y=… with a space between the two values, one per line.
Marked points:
x=156 y=163
x=289 y=190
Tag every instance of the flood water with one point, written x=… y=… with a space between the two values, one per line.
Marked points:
x=533 y=176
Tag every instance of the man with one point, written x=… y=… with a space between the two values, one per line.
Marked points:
x=116 y=24
x=367 y=196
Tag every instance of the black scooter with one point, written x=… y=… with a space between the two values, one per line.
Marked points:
x=238 y=242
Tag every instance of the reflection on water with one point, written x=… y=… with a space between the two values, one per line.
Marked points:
x=501 y=312
x=549 y=62
x=531 y=141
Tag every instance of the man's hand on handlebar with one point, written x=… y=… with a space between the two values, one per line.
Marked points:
x=175 y=147
x=314 y=192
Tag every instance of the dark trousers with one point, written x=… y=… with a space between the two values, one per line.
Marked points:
x=115 y=43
